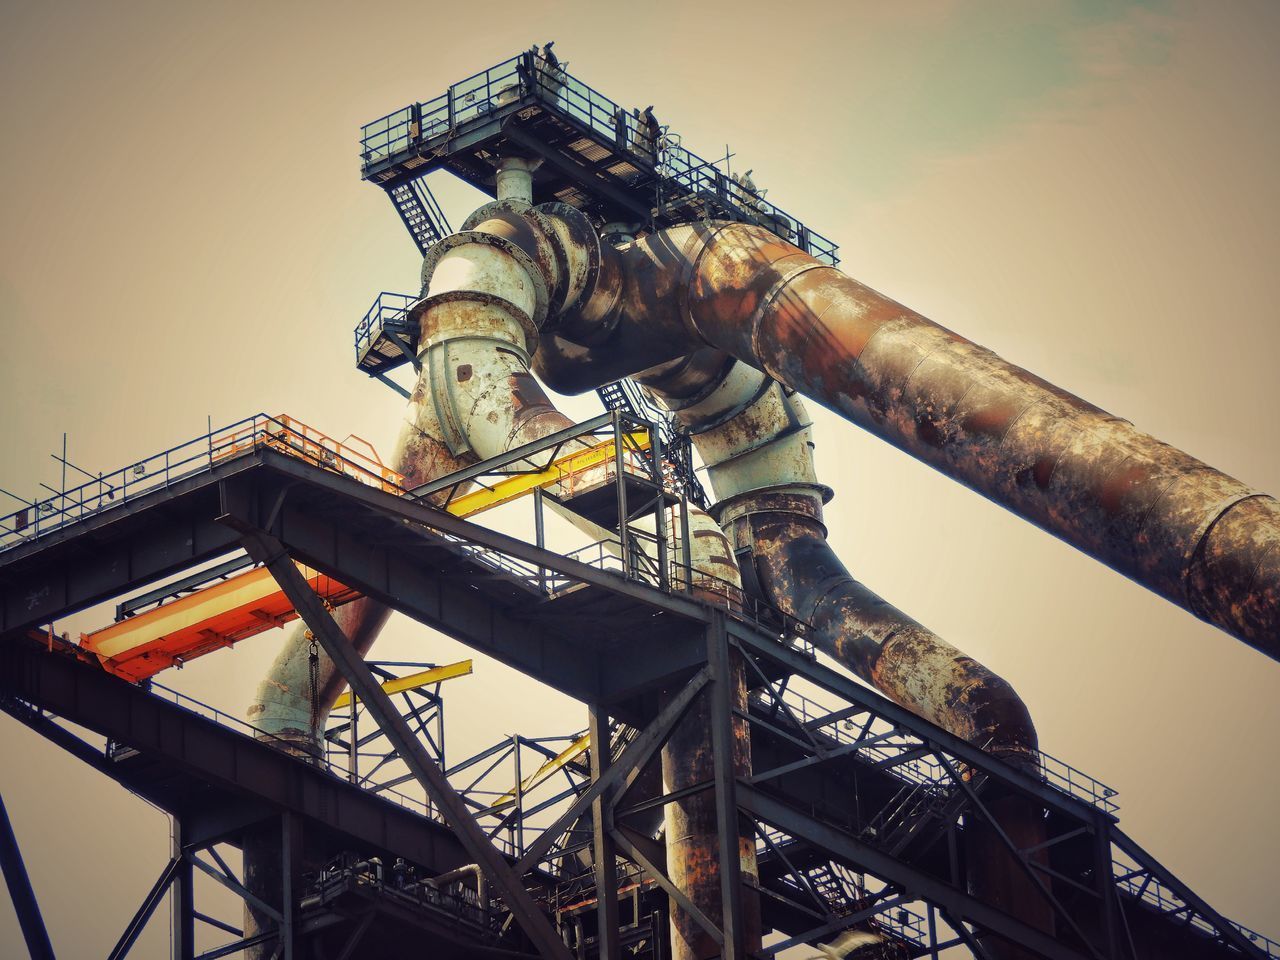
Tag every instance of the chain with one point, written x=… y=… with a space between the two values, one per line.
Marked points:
x=313 y=667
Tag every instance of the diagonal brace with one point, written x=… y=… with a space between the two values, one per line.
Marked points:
x=632 y=760
x=269 y=551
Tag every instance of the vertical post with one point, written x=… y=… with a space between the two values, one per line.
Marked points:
x=539 y=535
x=289 y=858
x=619 y=468
x=933 y=933
x=725 y=787
x=519 y=821
x=182 y=906
x=1105 y=882
x=660 y=519
x=686 y=548
x=603 y=854
x=24 y=898
x=353 y=746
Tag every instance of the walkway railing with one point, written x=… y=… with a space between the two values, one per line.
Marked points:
x=163 y=469
x=680 y=172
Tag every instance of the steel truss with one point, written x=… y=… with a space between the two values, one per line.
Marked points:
x=861 y=809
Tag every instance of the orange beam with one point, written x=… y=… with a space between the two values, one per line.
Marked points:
x=210 y=619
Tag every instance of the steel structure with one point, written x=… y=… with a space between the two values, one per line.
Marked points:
x=732 y=777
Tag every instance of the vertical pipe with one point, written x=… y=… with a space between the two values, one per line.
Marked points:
x=689 y=759
x=729 y=822
x=515 y=179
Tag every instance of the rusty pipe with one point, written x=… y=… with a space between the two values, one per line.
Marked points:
x=1196 y=536
x=690 y=823
x=486 y=290
x=755 y=440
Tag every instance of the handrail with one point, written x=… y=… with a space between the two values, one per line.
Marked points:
x=161 y=470
x=1056 y=773
x=667 y=160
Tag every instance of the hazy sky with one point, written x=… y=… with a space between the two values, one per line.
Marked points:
x=1087 y=188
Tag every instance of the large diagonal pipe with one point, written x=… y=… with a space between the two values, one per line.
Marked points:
x=1196 y=536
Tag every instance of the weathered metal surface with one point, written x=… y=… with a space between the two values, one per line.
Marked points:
x=688 y=760
x=750 y=433
x=1191 y=533
x=755 y=440
x=800 y=573
x=633 y=320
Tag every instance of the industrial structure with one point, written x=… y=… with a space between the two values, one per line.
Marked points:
x=735 y=786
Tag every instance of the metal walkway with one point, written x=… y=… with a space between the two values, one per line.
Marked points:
x=609 y=633
x=597 y=156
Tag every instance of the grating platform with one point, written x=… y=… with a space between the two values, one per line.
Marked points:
x=596 y=156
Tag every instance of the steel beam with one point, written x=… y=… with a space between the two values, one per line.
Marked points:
x=727 y=816
x=271 y=552
x=603 y=851
x=954 y=901
x=182 y=905
x=24 y=900
x=148 y=906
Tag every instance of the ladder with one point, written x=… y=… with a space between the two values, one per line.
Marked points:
x=623 y=395
x=420 y=212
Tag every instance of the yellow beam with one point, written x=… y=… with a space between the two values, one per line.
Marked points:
x=449 y=671
x=504 y=491
x=550 y=766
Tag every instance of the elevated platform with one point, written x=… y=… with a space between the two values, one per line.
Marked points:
x=597 y=156
x=603 y=632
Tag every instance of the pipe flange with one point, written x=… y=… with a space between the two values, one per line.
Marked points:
x=545 y=228
x=526 y=263
x=778 y=286
x=599 y=287
x=487 y=211
x=581 y=231
x=527 y=326
x=803 y=499
x=532 y=232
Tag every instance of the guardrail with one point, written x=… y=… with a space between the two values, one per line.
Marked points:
x=388 y=310
x=283 y=433
x=681 y=173
x=925 y=772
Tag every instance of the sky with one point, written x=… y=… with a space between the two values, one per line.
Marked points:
x=1087 y=188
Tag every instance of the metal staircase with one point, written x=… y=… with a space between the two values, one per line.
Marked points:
x=676 y=449
x=420 y=212
x=919 y=814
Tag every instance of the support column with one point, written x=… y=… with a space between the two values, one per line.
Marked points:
x=709 y=853
x=290 y=874
x=604 y=855
x=182 y=906
x=729 y=828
